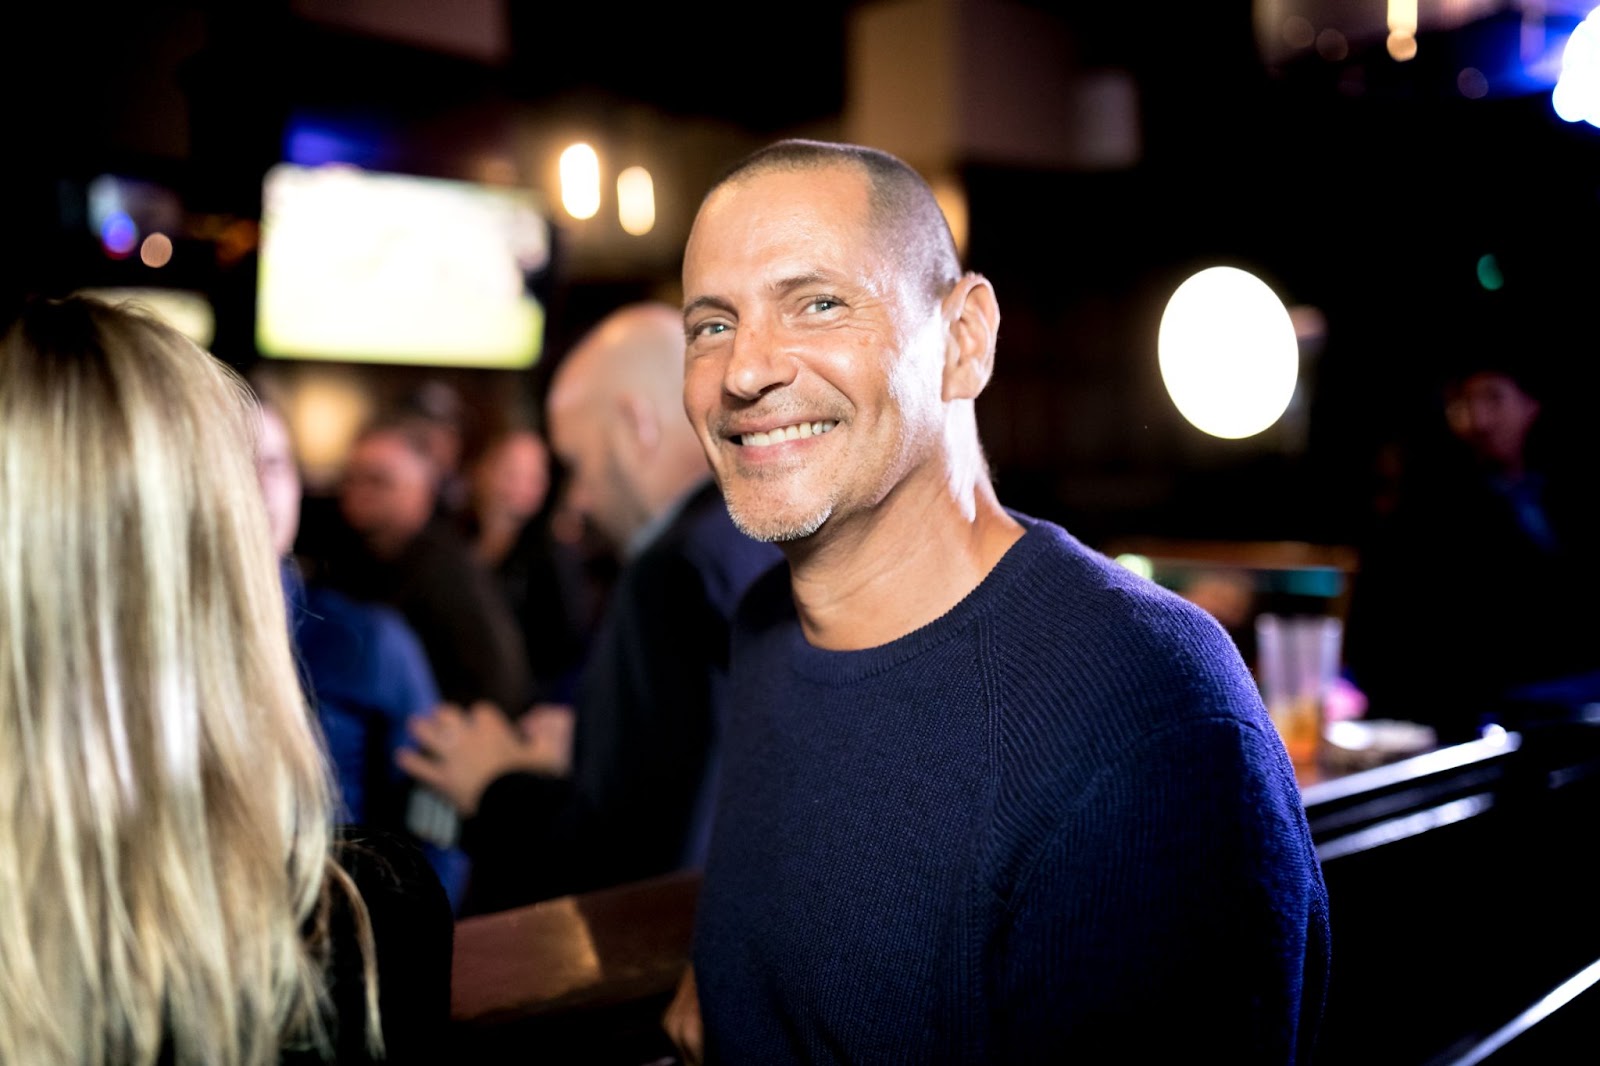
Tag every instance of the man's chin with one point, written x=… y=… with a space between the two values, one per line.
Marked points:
x=777 y=529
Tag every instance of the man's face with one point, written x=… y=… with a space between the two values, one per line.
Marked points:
x=515 y=476
x=387 y=489
x=814 y=364
x=586 y=435
x=1493 y=416
x=280 y=480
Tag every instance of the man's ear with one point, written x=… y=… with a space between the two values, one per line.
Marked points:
x=642 y=424
x=972 y=324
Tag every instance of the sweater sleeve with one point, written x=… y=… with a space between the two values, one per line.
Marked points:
x=1169 y=913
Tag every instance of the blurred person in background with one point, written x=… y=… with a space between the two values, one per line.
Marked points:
x=363 y=669
x=618 y=787
x=394 y=549
x=540 y=575
x=436 y=412
x=175 y=890
x=1462 y=612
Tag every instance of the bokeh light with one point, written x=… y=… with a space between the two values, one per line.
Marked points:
x=119 y=235
x=1228 y=352
x=1298 y=32
x=580 y=181
x=1401 y=46
x=1139 y=564
x=1489 y=274
x=636 y=201
x=1472 y=84
x=156 y=250
x=1576 y=96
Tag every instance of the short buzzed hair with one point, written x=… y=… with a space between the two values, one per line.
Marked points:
x=903 y=208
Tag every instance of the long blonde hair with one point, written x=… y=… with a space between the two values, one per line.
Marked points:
x=164 y=802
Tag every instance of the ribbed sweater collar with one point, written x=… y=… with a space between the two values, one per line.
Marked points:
x=849 y=667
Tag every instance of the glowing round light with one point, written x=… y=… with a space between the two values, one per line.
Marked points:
x=156 y=250
x=636 y=201
x=1402 y=47
x=118 y=235
x=1333 y=45
x=580 y=181
x=1472 y=84
x=1139 y=564
x=1298 y=32
x=1227 y=352
x=1576 y=97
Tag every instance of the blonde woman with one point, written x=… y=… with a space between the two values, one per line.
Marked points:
x=171 y=888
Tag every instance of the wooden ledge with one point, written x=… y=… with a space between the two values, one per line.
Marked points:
x=600 y=949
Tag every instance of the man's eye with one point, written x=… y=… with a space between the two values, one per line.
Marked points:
x=709 y=329
x=822 y=303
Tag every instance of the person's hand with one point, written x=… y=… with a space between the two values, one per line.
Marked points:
x=682 y=1021
x=547 y=738
x=462 y=752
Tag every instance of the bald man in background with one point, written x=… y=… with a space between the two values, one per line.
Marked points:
x=630 y=798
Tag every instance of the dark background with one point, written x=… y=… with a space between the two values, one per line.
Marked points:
x=1360 y=187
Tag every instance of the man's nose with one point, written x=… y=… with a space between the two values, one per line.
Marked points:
x=758 y=363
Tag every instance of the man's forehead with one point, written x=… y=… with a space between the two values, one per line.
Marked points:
x=388 y=450
x=770 y=196
x=790 y=226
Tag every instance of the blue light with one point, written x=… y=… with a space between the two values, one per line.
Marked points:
x=119 y=234
x=1576 y=97
x=314 y=142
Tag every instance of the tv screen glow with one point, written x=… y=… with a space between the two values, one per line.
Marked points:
x=363 y=266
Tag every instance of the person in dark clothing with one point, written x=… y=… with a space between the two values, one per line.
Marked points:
x=509 y=527
x=414 y=939
x=396 y=550
x=987 y=796
x=1460 y=614
x=617 y=787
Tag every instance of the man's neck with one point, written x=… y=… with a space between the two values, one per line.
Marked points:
x=896 y=569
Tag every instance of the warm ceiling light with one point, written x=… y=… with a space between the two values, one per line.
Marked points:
x=1402 y=39
x=580 y=181
x=636 y=201
x=1403 y=17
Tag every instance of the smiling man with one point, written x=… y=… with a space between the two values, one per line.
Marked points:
x=987 y=796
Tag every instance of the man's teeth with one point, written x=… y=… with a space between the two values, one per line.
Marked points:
x=795 y=432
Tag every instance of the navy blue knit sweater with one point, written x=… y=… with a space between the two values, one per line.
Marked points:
x=1054 y=824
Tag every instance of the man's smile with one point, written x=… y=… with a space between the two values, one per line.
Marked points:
x=781 y=434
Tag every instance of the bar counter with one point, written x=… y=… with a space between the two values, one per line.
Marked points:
x=1462 y=905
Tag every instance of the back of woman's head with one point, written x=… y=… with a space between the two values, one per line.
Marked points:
x=163 y=801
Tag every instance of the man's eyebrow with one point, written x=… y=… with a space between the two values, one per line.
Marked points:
x=783 y=286
x=780 y=287
x=699 y=302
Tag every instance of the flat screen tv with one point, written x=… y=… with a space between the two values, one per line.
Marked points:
x=357 y=265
